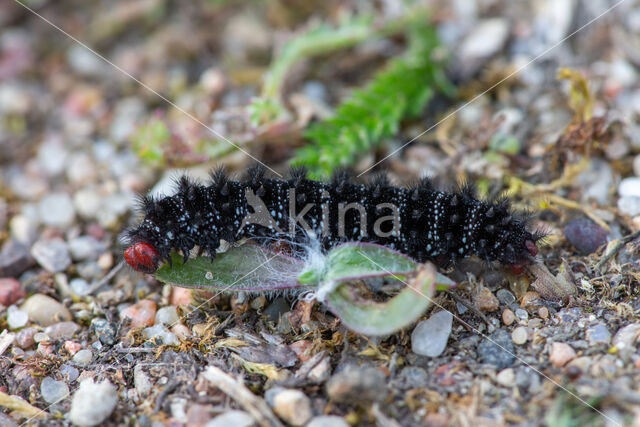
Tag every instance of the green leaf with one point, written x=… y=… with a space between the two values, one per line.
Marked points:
x=358 y=260
x=246 y=268
x=370 y=318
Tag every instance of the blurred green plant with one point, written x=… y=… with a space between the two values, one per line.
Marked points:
x=319 y=39
x=250 y=268
x=374 y=113
x=149 y=141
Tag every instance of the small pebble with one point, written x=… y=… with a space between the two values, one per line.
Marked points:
x=497 y=349
x=293 y=406
x=10 y=291
x=160 y=332
x=629 y=205
x=24 y=338
x=41 y=337
x=484 y=300
x=519 y=335
x=277 y=308
x=14 y=258
x=535 y=323
x=141 y=381
x=45 y=310
x=62 y=330
x=141 y=314
x=328 y=421
x=529 y=299
x=522 y=314
x=87 y=202
x=16 y=318
x=79 y=286
x=56 y=210
x=629 y=187
x=508 y=317
x=506 y=377
x=462 y=309
x=53 y=391
x=83 y=357
x=181 y=331
x=69 y=373
x=357 y=384
x=561 y=354
x=84 y=248
x=167 y=316
x=585 y=235
x=92 y=403
x=543 y=313
x=51 y=254
x=430 y=337
x=72 y=347
x=180 y=296
x=233 y=418
x=598 y=334
x=505 y=297
x=627 y=336
x=104 y=330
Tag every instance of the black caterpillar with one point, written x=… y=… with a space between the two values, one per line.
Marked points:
x=423 y=223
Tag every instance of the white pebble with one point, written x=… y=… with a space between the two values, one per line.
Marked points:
x=93 y=403
x=629 y=187
x=16 y=318
x=161 y=331
x=167 y=316
x=232 y=418
x=83 y=357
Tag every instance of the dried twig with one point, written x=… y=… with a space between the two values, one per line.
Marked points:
x=615 y=246
x=469 y=306
x=254 y=405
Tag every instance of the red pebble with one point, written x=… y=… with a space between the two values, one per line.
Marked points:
x=10 y=291
x=142 y=314
x=142 y=257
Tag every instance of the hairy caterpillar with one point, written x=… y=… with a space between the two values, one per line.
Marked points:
x=422 y=222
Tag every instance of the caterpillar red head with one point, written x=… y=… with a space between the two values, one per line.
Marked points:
x=142 y=257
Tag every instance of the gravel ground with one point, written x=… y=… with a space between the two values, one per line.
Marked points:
x=87 y=342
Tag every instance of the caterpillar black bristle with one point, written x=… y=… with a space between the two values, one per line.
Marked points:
x=422 y=222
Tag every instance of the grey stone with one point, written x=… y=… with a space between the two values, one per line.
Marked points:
x=56 y=210
x=84 y=248
x=53 y=391
x=357 y=384
x=430 y=337
x=497 y=350
x=51 y=254
x=598 y=334
x=505 y=297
